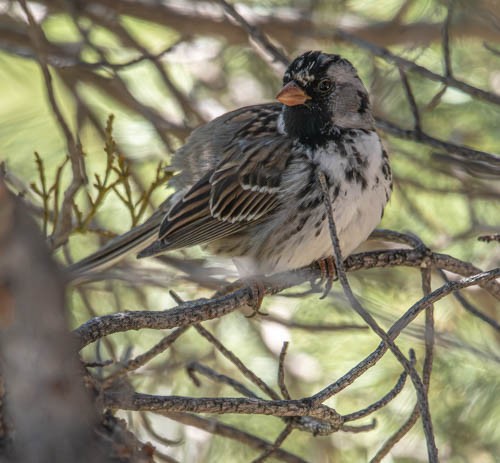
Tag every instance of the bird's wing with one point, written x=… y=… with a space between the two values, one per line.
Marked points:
x=242 y=188
x=207 y=147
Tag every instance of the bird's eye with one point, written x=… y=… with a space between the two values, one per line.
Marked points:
x=325 y=85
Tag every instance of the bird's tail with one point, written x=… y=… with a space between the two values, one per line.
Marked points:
x=132 y=241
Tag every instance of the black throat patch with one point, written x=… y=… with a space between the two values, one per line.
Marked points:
x=311 y=124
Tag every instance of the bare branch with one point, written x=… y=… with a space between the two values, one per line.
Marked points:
x=221 y=429
x=277 y=444
x=411 y=66
x=413 y=104
x=64 y=225
x=462 y=150
x=384 y=400
x=142 y=359
x=446 y=40
x=281 y=372
x=200 y=310
x=250 y=375
x=255 y=34
x=371 y=322
x=146 y=402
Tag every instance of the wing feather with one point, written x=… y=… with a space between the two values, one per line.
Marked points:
x=241 y=190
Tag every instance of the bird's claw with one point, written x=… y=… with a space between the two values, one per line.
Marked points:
x=327 y=273
x=257 y=293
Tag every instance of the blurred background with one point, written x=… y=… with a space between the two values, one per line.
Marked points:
x=163 y=67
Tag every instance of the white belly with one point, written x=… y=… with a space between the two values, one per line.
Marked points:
x=357 y=209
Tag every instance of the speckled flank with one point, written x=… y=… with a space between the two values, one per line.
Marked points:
x=300 y=235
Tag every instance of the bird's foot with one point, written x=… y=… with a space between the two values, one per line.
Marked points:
x=257 y=293
x=327 y=273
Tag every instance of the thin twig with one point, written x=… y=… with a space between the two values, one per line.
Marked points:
x=470 y=307
x=453 y=148
x=249 y=374
x=489 y=238
x=426 y=275
x=448 y=72
x=157 y=436
x=397 y=436
x=220 y=429
x=64 y=225
x=384 y=400
x=281 y=372
x=144 y=358
x=317 y=327
x=276 y=445
x=417 y=381
x=411 y=66
x=255 y=33
x=144 y=57
x=417 y=125
x=359 y=429
x=218 y=377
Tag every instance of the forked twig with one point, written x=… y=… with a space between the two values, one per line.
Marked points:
x=417 y=381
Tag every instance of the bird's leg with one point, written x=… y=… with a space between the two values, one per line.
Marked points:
x=248 y=271
x=327 y=268
x=257 y=291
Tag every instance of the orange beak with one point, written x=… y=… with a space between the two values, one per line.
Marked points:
x=292 y=95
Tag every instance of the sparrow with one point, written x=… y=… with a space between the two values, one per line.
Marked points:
x=247 y=182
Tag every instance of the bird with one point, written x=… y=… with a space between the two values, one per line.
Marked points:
x=247 y=183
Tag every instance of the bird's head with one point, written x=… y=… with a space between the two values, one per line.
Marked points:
x=320 y=92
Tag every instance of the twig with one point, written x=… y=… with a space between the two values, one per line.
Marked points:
x=417 y=125
x=397 y=436
x=43 y=193
x=489 y=238
x=292 y=408
x=64 y=226
x=417 y=381
x=143 y=57
x=221 y=429
x=281 y=372
x=200 y=310
x=446 y=40
x=277 y=444
x=158 y=437
x=304 y=423
x=470 y=307
x=255 y=33
x=219 y=377
x=359 y=429
x=319 y=327
x=422 y=137
x=384 y=400
x=426 y=275
x=164 y=457
x=98 y=364
x=142 y=359
x=411 y=66
x=492 y=49
x=426 y=374
x=249 y=374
